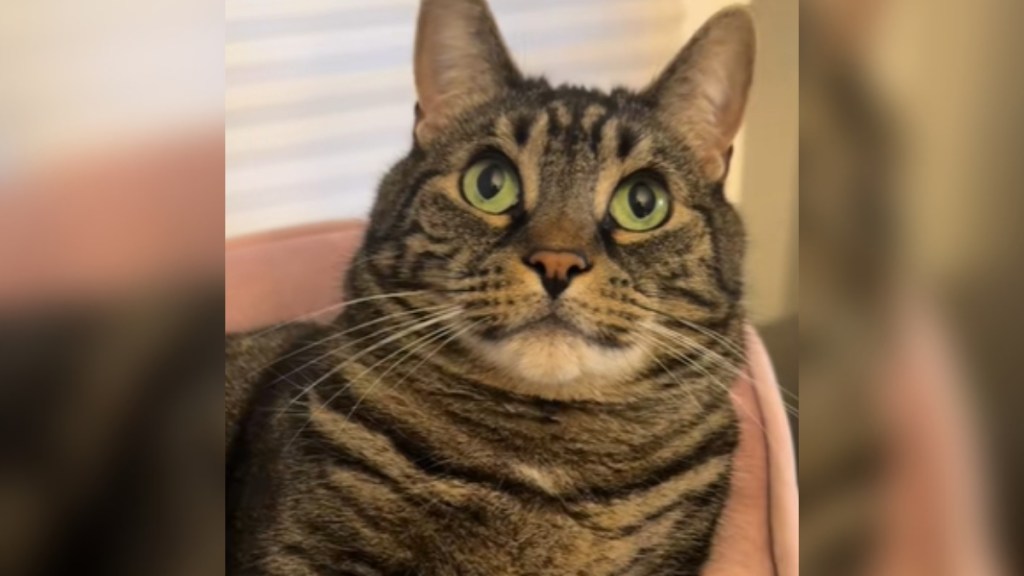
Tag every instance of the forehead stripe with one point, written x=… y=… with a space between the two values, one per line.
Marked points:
x=627 y=140
x=521 y=130
x=596 y=131
x=575 y=130
x=554 y=124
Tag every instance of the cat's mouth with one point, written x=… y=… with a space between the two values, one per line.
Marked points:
x=551 y=323
x=550 y=352
x=556 y=324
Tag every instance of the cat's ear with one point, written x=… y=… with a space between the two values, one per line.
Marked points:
x=703 y=91
x=460 y=61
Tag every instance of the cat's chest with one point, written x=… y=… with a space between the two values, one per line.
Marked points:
x=491 y=534
x=443 y=525
x=451 y=496
x=544 y=543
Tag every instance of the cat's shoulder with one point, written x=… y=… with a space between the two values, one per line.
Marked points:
x=251 y=356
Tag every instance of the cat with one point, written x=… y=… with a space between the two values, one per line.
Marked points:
x=531 y=374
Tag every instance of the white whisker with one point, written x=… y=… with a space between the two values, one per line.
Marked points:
x=320 y=312
x=418 y=326
x=336 y=335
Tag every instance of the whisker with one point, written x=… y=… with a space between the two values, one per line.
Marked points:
x=410 y=349
x=321 y=311
x=717 y=382
x=455 y=335
x=650 y=340
x=723 y=362
x=723 y=387
x=383 y=330
x=336 y=335
x=418 y=326
x=733 y=368
x=413 y=348
x=731 y=346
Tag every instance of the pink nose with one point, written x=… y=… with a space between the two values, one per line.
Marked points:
x=557 y=268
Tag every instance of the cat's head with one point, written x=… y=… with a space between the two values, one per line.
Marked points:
x=567 y=233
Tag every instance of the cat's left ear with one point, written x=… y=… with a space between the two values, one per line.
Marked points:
x=703 y=91
x=461 y=61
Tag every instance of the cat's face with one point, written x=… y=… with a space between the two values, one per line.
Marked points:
x=572 y=231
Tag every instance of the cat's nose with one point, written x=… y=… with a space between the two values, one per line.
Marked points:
x=557 y=268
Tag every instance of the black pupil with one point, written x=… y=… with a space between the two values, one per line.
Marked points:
x=490 y=181
x=642 y=200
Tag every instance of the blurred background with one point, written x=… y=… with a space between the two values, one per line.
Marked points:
x=111 y=287
x=910 y=284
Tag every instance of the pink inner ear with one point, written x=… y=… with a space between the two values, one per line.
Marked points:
x=703 y=91
x=707 y=116
x=713 y=166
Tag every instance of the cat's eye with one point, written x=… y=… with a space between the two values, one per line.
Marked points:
x=640 y=203
x=491 y=184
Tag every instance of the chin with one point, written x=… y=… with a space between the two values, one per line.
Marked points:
x=559 y=364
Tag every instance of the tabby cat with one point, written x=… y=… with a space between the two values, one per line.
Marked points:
x=531 y=374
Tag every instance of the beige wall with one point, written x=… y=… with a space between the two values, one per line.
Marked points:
x=769 y=168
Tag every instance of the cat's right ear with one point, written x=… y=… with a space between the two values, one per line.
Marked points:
x=460 y=62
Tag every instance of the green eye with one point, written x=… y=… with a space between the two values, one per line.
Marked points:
x=491 y=185
x=640 y=203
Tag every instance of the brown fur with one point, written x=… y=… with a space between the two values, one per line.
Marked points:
x=458 y=420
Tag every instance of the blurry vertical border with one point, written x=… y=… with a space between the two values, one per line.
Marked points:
x=910 y=275
x=111 y=287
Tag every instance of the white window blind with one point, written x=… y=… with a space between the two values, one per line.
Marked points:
x=319 y=96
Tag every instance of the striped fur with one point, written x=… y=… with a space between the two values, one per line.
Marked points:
x=436 y=428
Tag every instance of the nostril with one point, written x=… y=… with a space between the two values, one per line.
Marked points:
x=557 y=268
x=537 y=265
x=575 y=269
